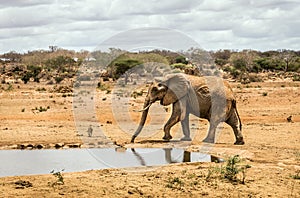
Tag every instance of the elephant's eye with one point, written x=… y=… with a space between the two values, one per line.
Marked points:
x=154 y=89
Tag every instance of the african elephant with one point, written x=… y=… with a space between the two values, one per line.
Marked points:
x=205 y=97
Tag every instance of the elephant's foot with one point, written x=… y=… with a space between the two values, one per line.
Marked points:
x=209 y=140
x=239 y=141
x=167 y=137
x=186 y=139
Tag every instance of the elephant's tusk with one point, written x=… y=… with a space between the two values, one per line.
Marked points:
x=143 y=109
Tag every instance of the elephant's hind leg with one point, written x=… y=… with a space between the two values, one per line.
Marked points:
x=210 y=138
x=236 y=126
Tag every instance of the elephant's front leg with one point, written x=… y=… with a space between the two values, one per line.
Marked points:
x=175 y=118
x=186 y=128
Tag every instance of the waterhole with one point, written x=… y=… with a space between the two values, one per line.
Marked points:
x=30 y=162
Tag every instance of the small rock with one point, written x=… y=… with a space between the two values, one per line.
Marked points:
x=130 y=192
x=39 y=146
x=14 y=146
x=21 y=146
x=77 y=145
x=59 y=145
x=23 y=184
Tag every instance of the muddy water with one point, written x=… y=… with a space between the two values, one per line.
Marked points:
x=29 y=162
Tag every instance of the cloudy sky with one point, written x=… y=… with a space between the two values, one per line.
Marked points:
x=213 y=24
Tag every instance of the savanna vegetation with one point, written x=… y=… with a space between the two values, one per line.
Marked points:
x=55 y=64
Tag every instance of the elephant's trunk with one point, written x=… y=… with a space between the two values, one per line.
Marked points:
x=145 y=110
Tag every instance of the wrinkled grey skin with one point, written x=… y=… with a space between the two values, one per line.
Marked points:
x=206 y=97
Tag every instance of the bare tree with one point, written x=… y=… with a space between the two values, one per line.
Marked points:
x=53 y=48
x=288 y=57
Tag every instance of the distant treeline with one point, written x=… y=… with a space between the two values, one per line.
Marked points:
x=256 y=61
x=56 y=64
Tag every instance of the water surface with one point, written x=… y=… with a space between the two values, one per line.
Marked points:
x=29 y=162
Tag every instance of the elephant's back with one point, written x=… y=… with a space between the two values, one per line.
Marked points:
x=213 y=85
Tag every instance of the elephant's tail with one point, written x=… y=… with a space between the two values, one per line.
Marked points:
x=237 y=113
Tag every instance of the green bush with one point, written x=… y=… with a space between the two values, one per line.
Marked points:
x=61 y=64
x=221 y=62
x=268 y=64
x=122 y=65
x=32 y=72
x=296 y=77
x=9 y=88
x=181 y=59
x=180 y=66
x=41 y=89
x=233 y=71
x=240 y=64
x=231 y=171
x=59 y=177
x=294 y=67
x=58 y=79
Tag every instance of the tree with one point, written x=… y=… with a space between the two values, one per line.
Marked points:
x=222 y=57
x=181 y=59
x=122 y=67
x=288 y=57
x=53 y=48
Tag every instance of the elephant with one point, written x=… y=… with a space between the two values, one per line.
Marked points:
x=207 y=97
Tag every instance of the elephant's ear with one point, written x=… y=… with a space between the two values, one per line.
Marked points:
x=178 y=87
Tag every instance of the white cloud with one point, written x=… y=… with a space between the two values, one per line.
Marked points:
x=263 y=25
x=22 y=3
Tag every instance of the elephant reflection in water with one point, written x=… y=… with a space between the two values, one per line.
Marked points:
x=168 y=157
x=139 y=157
x=186 y=156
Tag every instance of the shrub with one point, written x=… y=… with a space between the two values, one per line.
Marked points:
x=233 y=71
x=221 y=62
x=297 y=175
x=175 y=183
x=32 y=72
x=294 y=66
x=231 y=171
x=41 y=109
x=124 y=65
x=58 y=79
x=26 y=77
x=60 y=63
x=296 y=77
x=181 y=59
x=180 y=66
x=239 y=63
x=60 y=179
x=41 y=89
x=9 y=88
